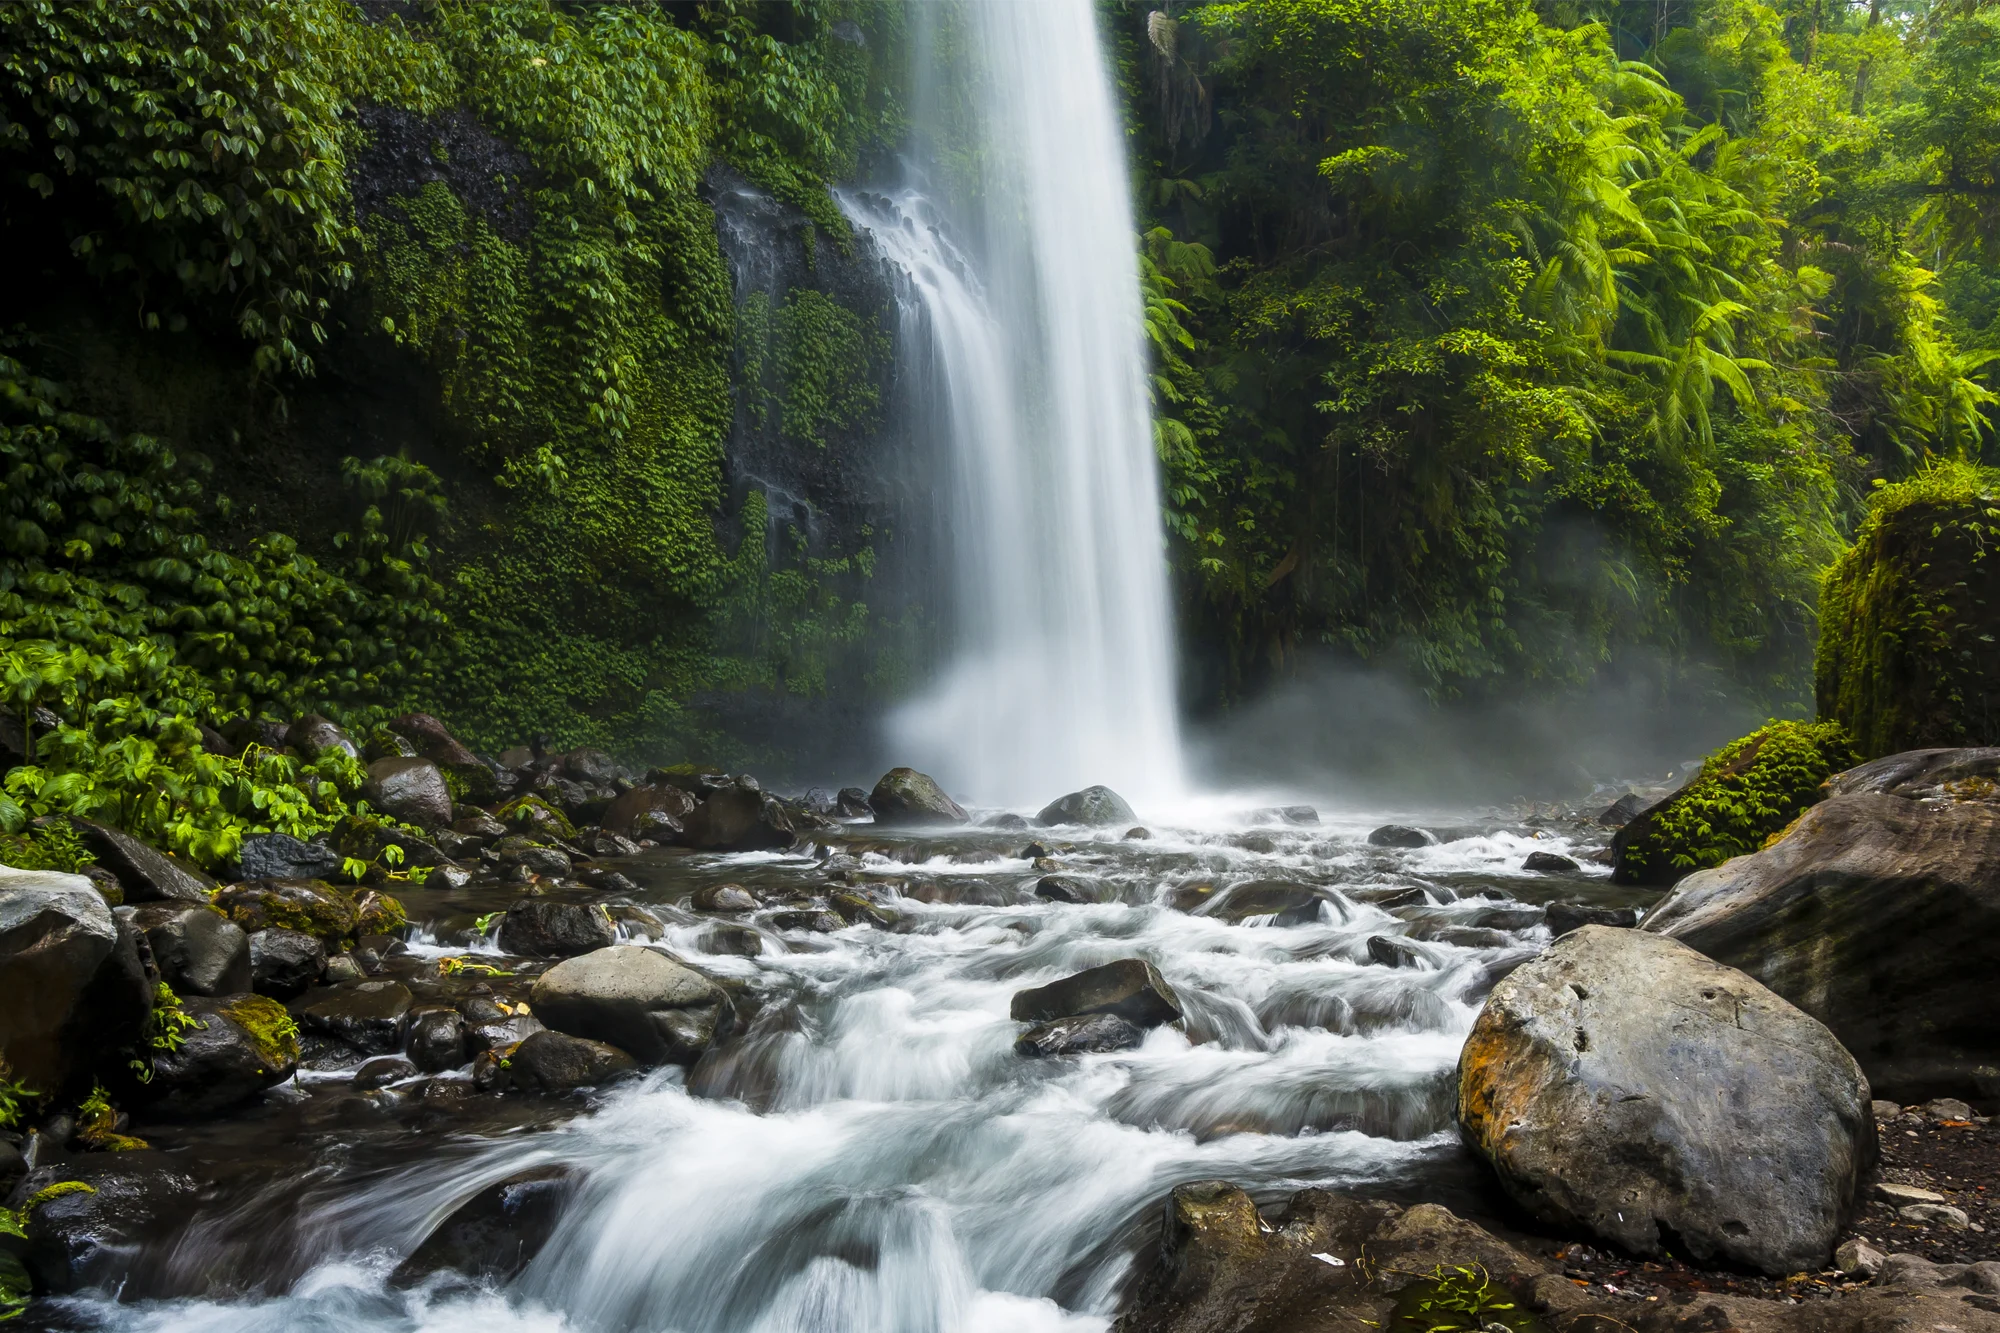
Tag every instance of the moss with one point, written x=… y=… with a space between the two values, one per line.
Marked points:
x=1746 y=792
x=532 y=812
x=380 y=914
x=311 y=906
x=270 y=1028
x=1909 y=652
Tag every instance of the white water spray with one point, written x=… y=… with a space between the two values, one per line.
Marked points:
x=1062 y=669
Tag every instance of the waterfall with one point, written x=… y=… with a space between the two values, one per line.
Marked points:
x=1021 y=280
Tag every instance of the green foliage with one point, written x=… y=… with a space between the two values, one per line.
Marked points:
x=271 y=1029
x=1746 y=793
x=16 y=1287
x=97 y=1125
x=13 y=1096
x=1908 y=655
x=1451 y=1298
x=50 y=845
x=167 y=1027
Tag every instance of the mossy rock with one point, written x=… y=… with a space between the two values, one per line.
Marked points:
x=536 y=815
x=379 y=914
x=1747 y=792
x=312 y=906
x=1909 y=650
x=270 y=1027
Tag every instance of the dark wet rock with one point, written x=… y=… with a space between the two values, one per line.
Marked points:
x=739 y=819
x=859 y=909
x=544 y=862
x=1191 y=896
x=1006 y=819
x=1392 y=951
x=281 y=856
x=545 y=928
x=1517 y=917
x=197 y=950
x=724 y=898
x=479 y=825
x=589 y=765
x=1285 y=902
x=1868 y=897
x=489 y=1028
x=1623 y=810
x=1130 y=988
x=736 y=941
x=370 y=1017
x=145 y=873
x=812 y=920
x=1400 y=835
x=436 y=1039
x=852 y=803
x=1549 y=863
x=602 y=843
x=342 y=970
x=285 y=963
x=235 y=1047
x=637 y=999
x=1562 y=918
x=382 y=1071
x=1922 y=774
x=1390 y=899
x=1138 y=834
x=87 y=1238
x=56 y=935
x=557 y=1062
x=412 y=790
x=386 y=744
x=311 y=906
x=905 y=796
x=1097 y=806
x=314 y=736
x=1066 y=889
x=495 y=1234
x=625 y=814
x=1464 y=937
x=1624 y=1084
x=1078 y=1036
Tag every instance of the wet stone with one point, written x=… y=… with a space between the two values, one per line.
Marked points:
x=556 y=1062
x=1390 y=951
x=437 y=1039
x=1130 y=988
x=382 y=1071
x=492 y=1236
x=1549 y=863
x=1562 y=918
x=1077 y=1036
x=544 y=928
x=814 y=921
x=369 y=1017
x=724 y=898
x=197 y=950
x=1400 y=835
x=1066 y=889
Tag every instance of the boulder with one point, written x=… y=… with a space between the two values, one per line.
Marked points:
x=370 y=1017
x=623 y=816
x=540 y=862
x=87 y=1238
x=593 y=766
x=56 y=934
x=1130 y=988
x=1393 y=951
x=433 y=741
x=724 y=898
x=1400 y=835
x=315 y=737
x=1283 y=901
x=281 y=856
x=545 y=928
x=1937 y=774
x=1087 y=1034
x=237 y=1046
x=311 y=906
x=437 y=1039
x=493 y=1235
x=1096 y=806
x=905 y=796
x=412 y=790
x=814 y=920
x=852 y=803
x=738 y=819
x=145 y=873
x=383 y=1070
x=1562 y=918
x=1549 y=863
x=285 y=963
x=556 y=1062
x=1066 y=889
x=1624 y=1084
x=1878 y=916
x=1622 y=811
x=636 y=999
x=196 y=949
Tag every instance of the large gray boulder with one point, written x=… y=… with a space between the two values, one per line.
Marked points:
x=56 y=931
x=905 y=796
x=412 y=790
x=545 y=928
x=1097 y=806
x=1624 y=1084
x=234 y=1047
x=635 y=999
x=1131 y=988
x=196 y=949
x=1879 y=916
x=281 y=856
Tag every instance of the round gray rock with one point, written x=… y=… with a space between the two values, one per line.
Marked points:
x=55 y=933
x=635 y=999
x=1624 y=1084
x=1096 y=806
x=412 y=790
x=905 y=796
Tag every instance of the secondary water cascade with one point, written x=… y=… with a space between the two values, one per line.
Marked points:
x=1023 y=285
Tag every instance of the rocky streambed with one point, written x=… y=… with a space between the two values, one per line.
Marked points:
x=913 y=1073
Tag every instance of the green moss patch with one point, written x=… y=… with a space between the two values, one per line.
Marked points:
x=271 y=1029
x=312 y=906
x=1909 y=650
x=1747 y=791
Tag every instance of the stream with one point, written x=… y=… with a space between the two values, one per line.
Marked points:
x=868 y=1151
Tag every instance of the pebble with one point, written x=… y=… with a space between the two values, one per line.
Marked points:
x=1934 y=1214
x=1857 y=1258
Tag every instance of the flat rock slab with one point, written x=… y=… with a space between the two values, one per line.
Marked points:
x=1131 y=988
x=1624 y=1084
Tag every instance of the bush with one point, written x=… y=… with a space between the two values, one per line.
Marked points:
x=1746 y=792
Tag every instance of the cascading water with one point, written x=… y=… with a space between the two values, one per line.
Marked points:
x=1061 y=671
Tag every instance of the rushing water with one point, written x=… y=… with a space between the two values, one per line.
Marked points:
x=871 y=1153
x=1061 y=669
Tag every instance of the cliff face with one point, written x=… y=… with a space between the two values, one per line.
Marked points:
x=481 y=312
